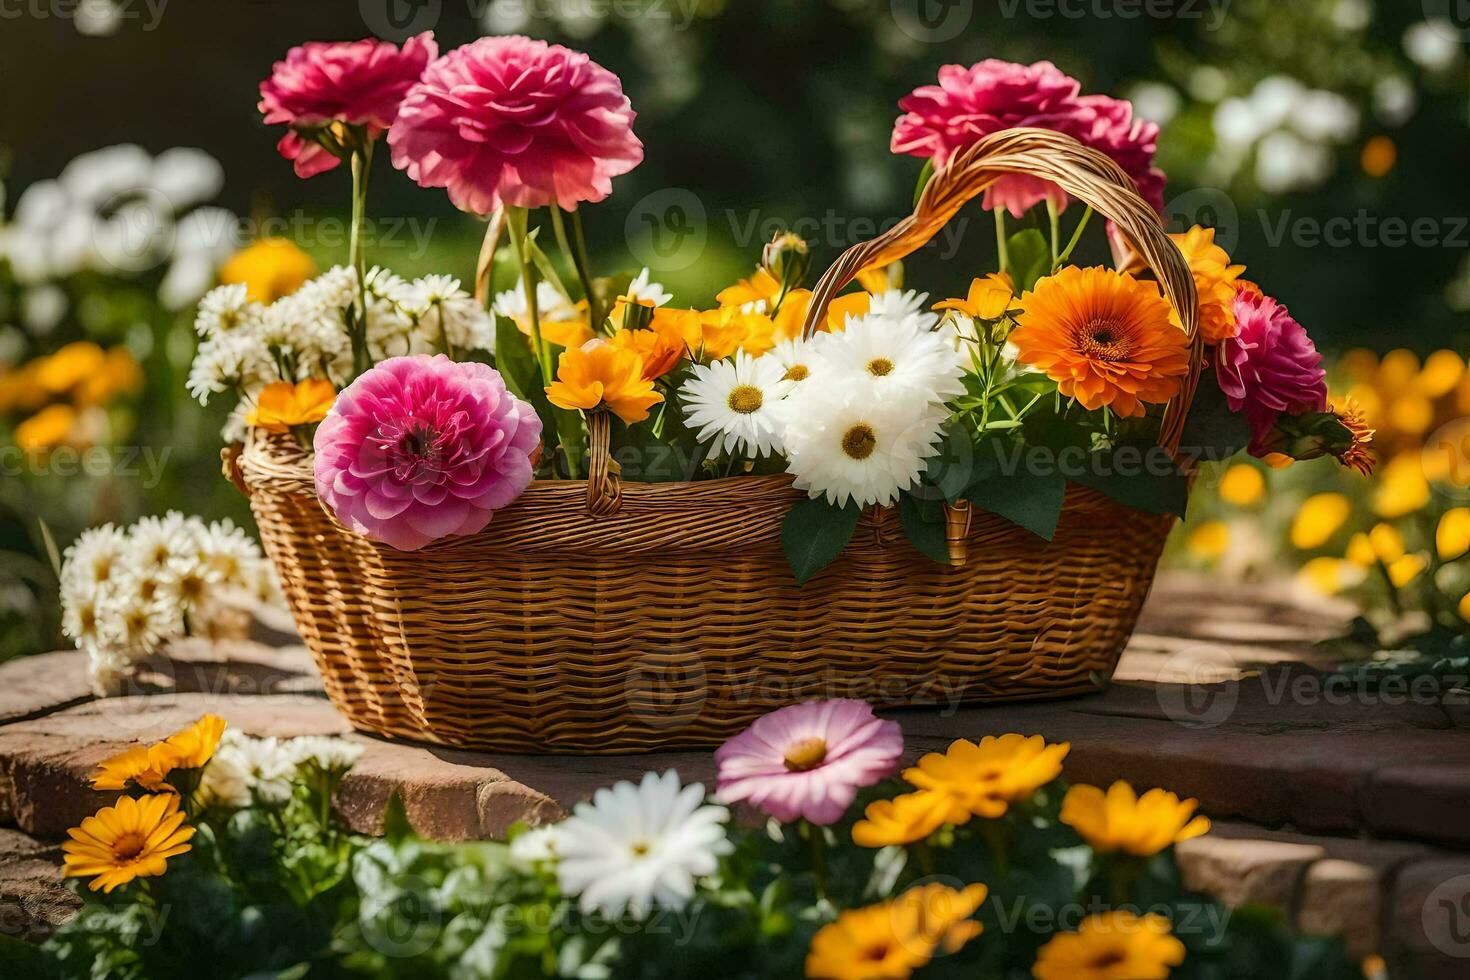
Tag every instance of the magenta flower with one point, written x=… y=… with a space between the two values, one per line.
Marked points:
x=1269 y=367
x=971 y=103
x=357 y=83
x=512 y=121
x=808 y=760
x=423 y=447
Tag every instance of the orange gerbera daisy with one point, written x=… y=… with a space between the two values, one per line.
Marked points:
x=282 y=405
x=1104 y=337
x=661 y=350
x=133 y=839
x=1214 y=280
x=602 y=375
x=792 y=315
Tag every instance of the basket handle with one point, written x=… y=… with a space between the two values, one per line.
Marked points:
x=1082 y=172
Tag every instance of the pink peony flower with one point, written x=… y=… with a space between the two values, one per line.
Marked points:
x=971 y=103
x=1269 y=367
x=358 y=83
x=423 y=447
x=512 y=121
x=808 y=760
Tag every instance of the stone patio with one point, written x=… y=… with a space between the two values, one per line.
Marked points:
x=1344 y=807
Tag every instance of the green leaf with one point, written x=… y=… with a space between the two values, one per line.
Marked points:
x=1143 y=477
x=1211 y=430
x=20 y=959
x=1007 y=484
x=814 y=534
x=924 y=524
x=925 y=175
x=517 y=365
x=1030 y=258
x=952 y=468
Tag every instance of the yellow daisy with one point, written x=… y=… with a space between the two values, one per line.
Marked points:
x=985 y=779
x=133 y=839
x=1452 y=536
x=891 y=940
x=1111 y=946
x=137 y=766
x=1318 y=519
x=1242 y=485
x=1120 y=820
x=191 y=747
x=906 y=819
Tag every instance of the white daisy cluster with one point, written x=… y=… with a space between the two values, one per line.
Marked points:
x=121 y=212
x=263 y=771
x=634 y=848
x=125 y=592
x=856 y=413
x=245 y=345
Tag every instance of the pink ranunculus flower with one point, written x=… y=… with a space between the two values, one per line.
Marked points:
x=1269 y=367
x=358 y=83
x=422 y=447
x=971 y=103
x=808 y=760
x=512 y=121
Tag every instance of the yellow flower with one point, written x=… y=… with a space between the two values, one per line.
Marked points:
x=601 y=375
x=1404 y=570
x=69 y=367
x=728 y=329
x=1464 y=607
x=1452 y=537
x=1120 y=820
x=759 y=288
x=138 y=766
x=1116 y=945
x=661 y=350
x=984 y=779
x=19 y=390
x=193 y=746
x=908 y=818
x=891 y=940
x=1209 y=540
x=1214 y=280
x=1319 y=518
x=47 y=429
x=120 y=374
x=988 y=299
x=270 y=268
x=1442 y=372
x=282 y=405
x=1402 y=488
x=1242 y=485
x=883 y=279
x=1327 y=576
x=792 y=316
x=133 y=839
x=1386 y=544
x=1378 y=156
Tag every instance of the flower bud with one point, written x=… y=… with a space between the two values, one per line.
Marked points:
x=786 y=257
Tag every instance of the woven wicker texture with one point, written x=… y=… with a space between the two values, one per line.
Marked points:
x=607 y=617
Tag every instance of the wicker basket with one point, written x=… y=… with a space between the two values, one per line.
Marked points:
x=617 y=617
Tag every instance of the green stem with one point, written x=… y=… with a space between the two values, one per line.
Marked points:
x=1055 y=218
x=584 y=268
x=518 y=219
x=1061 y=260
x=1000 y=240
x=819 y=858
x=362 y=161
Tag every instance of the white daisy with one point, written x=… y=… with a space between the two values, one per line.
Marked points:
x=851 y=443
x=642 y=288
x=138 y=617
x=796 y=356
x=230 y=552
x=902 y=358
x=636 y=847
x=550 y=305
x=734 y=403
x=108 y=670
x=331 y=755
x=94 y=555
x=448 y=315
x=897 y=304
x=539 y=845
x=269 y=766
x=225 y=781
x=81 y=605
x=224 y=310
x=233 y=360
x=159 y=544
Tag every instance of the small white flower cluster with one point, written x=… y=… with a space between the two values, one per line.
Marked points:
x=633 y=848
x=120 y=212
x=245 y=345
x=856 y=413
x=126 y=591
x=263 y=771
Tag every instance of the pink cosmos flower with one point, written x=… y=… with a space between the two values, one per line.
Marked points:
x=971 y=103
x=359 y=83
x=1269 y=367
x=423 y=447
x=808 y=760
x=509 y=120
